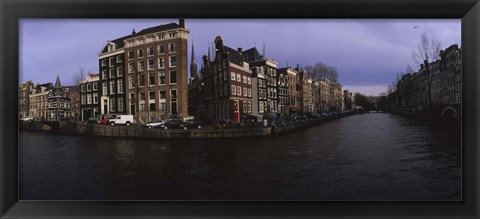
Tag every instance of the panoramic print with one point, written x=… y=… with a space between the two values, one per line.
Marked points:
x=240 y=109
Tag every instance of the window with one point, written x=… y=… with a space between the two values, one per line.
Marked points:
x=131 y=54
x=95 y=86
x=112 y=104
x=161 y=76
x=161 y=49
x=151 y=100
x=131 y=80
x=234 y=90
x=173 y=61
x=171 y=47
x=104 y=74
x=111 y=73
x=244 y=79
x=140 y=53
x=89 y=87
x=120 y=86
x=82 y=87
x=173 y=101
x=120 y=104
x=89 y=98
x=249 y=80
x=111 y=61
x=140 y=66
x=152 y=106
x=95 y=98
x=245 y=93
x=150 y=51
x=225 y=76
x=130 y=68
x=163 y=100
x=151 y=64
x=232 y=76
x=119 y=71
x=104 y=62
x=173 y=77
x=112 y=87
x=225 y=88
x=151 y=79
x=249 y=92
x=239 y=91
x=244 y=106
x=161 y=63
x=141 y=80
x=119 y=58
x=84 y=99
x=239 y=78
x=172 y=35
x=104 y=88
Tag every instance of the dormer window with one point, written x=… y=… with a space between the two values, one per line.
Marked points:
x=111 y=47
x=172 y=35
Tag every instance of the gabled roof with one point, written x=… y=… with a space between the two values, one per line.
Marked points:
x=251 y=55
x=159 y=28
x=48 y=85
x=235 y=56
x=119 y=41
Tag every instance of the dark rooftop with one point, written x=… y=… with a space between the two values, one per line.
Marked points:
x=235 y=56
x=251 y=55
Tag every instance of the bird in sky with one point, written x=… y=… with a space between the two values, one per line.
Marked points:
x=415 y=27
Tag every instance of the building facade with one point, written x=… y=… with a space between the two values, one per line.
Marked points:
x=24 y=91
x=111 y=82
x=89 y=97
x=39 y=101
x=58 y=107
x=156 y=60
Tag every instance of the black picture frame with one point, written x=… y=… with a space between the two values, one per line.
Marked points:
x=11 y=11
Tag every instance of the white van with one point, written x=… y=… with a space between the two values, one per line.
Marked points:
x=122 y=120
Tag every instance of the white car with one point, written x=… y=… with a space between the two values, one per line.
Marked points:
x=26 y=119
x=156 y=123
x=122 y=120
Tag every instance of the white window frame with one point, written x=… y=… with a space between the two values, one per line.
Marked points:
x=234 y=90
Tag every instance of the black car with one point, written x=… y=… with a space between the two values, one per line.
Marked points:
x=173 y=124
x=92 y=121
x=192 y=124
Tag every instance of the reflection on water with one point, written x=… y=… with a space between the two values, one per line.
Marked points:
x=362 y=157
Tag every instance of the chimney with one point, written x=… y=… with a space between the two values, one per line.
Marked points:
x=240 y=49
x=181 y=22
x=133 y=32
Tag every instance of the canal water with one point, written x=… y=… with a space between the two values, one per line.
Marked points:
x=375 y=156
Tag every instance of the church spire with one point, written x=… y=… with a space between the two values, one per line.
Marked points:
x=57 y=83
x=193 y=64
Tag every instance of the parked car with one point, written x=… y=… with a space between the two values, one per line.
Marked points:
x=103 y=121
x=192 y=124
x=92 y=120
x=122 y=120
x=26 y=119
x=173 y=124
x=155 y=124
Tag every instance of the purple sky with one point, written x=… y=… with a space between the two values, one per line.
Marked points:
x=367 y=53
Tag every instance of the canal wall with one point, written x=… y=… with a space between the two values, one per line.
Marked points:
x=142 y=132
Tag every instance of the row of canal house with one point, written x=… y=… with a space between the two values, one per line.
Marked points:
x=236 y=85
x=444 y=83
x=143 y=74
x=47 y=102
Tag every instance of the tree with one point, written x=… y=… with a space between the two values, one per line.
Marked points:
x=361 y=100
x=78 y=76
x=428 y=51
x=321 y=71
